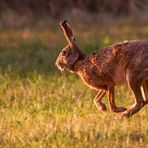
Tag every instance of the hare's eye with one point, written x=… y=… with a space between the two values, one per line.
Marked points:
x=64 y=53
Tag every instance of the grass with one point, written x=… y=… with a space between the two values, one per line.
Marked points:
x=41 y=107
x=54 y=111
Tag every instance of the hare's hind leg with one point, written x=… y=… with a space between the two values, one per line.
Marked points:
x=144 y=90
x=135 y=85
x=98 y=98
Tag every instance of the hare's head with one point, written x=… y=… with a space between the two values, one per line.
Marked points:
x=71 y=53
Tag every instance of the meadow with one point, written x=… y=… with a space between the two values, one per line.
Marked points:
x=42 y=107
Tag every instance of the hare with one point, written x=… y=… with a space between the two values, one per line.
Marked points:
x=102 y=70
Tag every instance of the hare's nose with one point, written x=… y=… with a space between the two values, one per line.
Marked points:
x=58 y=63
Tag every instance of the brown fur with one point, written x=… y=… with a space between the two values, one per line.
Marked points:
x=118 y=64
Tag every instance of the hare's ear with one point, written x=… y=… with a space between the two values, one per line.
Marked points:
x=67 y=31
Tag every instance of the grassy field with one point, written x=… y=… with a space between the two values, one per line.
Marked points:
x=41 y=107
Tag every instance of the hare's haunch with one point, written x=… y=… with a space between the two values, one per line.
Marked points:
x=118 y=64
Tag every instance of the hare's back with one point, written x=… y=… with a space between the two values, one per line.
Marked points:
x=113 y=60
x=123 y=51
x=136 y=52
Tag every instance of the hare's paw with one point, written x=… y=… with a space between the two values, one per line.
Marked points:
x=101 y=106
x=120 y=109
x=122 y=115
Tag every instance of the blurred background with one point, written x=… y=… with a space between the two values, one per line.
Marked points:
x=42 y=107
x=30 y=36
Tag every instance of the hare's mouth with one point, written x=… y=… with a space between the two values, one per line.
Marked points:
x=60 y=67
x=63 y=68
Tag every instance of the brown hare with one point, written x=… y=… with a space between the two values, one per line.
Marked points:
x=102 y=70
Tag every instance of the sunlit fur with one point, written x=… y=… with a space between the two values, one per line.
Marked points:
x=102 y=70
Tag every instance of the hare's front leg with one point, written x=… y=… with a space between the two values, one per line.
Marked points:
x=112 y=103
x=98 y=98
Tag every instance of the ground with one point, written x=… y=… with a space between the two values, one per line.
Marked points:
x=42 y=107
